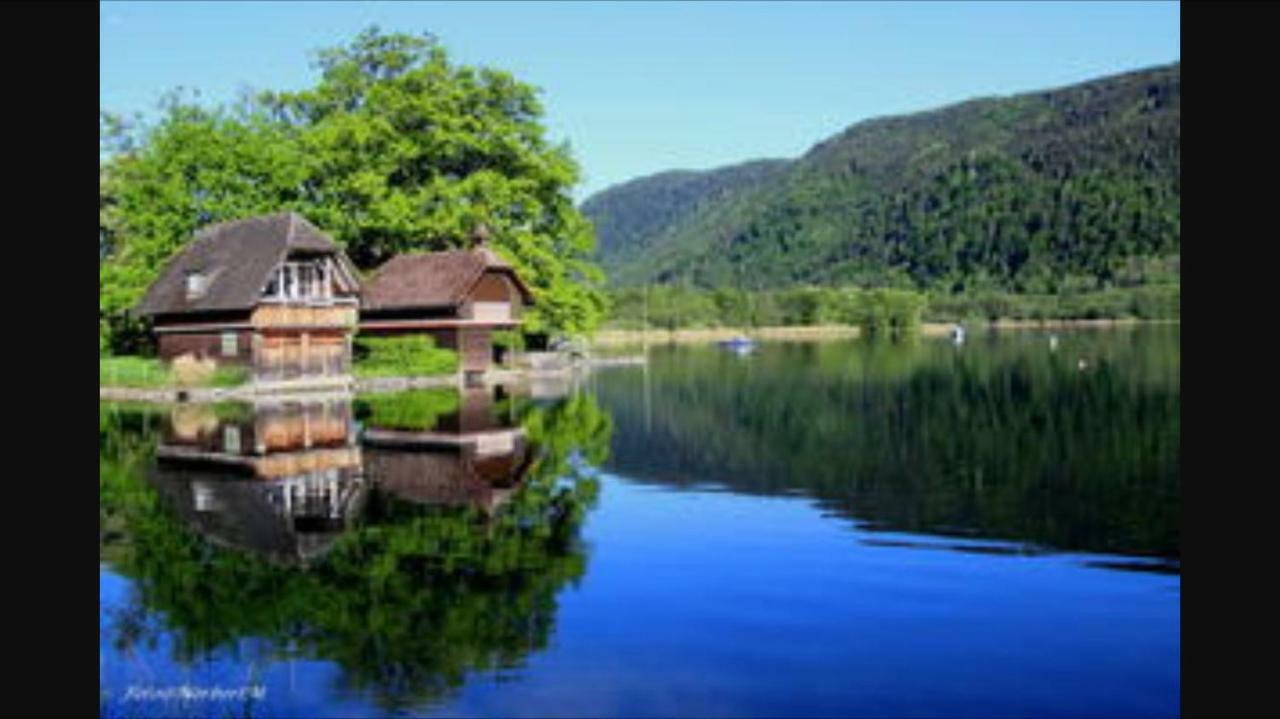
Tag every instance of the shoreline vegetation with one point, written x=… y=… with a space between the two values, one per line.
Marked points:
x=142 y=380
x=818 y=333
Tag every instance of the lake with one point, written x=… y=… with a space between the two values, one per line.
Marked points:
x=853 y=528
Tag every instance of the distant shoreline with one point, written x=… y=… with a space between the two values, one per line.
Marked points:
x=816 y=333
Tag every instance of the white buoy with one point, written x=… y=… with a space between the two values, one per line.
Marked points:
x=1053 y=343
x=1081 y=365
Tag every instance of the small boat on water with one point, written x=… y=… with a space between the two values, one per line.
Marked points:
x=739 y=345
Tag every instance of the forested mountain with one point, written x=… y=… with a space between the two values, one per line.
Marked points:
x=628 y=215
x=1071 y=188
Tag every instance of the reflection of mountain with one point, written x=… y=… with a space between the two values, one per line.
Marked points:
x=279 y=478
x=426 y=578
x=1007 y=441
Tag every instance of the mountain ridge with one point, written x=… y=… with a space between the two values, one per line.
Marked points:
x=1074 y=185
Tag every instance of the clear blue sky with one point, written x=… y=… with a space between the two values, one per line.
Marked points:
x=638 y=88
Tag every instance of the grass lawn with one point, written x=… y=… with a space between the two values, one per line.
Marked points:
x=148 y=372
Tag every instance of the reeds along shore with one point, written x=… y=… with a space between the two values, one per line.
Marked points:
x=607 y=338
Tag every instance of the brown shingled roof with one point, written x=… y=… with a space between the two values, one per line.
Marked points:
x=433 y=279
x=237 y=257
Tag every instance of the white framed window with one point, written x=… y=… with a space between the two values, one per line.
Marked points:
x=309 y=280
x=229 y=344
x=197 y=283
x=231 y=439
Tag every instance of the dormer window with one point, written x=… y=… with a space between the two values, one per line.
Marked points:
x=197 y=283
x=305 y=281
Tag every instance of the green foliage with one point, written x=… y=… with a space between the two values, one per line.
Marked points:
x=1151 y=302
x=880 y=309
x=148 y=372
x=405 y=356
x=406 y=603
x=394 y=149
x=629 y=215
x=677 y=307
x=228 y=376
x=418 y=409
x=1072 y=190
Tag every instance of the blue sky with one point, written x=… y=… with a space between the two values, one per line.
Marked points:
x=638 y=88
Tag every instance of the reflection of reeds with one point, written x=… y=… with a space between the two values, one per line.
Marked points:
x=716 y=334
x=616 y=338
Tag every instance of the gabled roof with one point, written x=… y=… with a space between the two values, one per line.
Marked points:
x=237 y=258
x=433 y=279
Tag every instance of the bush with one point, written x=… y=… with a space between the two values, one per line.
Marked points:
x=408 y=356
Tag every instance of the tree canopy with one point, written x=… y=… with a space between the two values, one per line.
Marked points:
x=394 y=149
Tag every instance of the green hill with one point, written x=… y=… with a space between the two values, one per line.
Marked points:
x=628 y=216
x=1067 y=189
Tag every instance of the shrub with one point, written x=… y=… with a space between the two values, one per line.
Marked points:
x=407 y=356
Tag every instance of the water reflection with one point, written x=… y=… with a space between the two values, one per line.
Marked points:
x=474 y=455
x=280 y=478
x=432 y=547
x=1005 y=439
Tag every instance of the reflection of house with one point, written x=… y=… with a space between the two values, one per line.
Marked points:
x=272 y=293
x=472 y=457
x=281 y=479
x=458 y=298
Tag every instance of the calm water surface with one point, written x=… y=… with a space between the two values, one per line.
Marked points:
x=839 y=529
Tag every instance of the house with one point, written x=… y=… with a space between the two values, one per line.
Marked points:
x=271 y=293
x=458 y=298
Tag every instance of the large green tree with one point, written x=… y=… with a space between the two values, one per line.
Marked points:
x=394 y=149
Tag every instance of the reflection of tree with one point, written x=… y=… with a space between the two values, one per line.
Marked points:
x=407 y=603
x=414 y=409
x=1007 y=440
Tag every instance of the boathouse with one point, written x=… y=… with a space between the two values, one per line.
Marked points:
x=458 y=297
x=271 y=293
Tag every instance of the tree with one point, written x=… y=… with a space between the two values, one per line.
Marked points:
x=395 y=149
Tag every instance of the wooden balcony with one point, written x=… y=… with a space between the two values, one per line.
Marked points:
x=286 y=315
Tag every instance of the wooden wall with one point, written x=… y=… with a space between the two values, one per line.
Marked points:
x=282 y=316
x=205 y=345
x=476 y=348
x=282 y=355
x=494 y=287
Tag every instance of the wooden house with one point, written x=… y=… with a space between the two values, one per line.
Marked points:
x=271 y=293
x=458 y=298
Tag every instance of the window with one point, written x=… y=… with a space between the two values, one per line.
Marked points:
x=229 y=348
x=196 y=284
x=231 y=439
x=304 y=280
